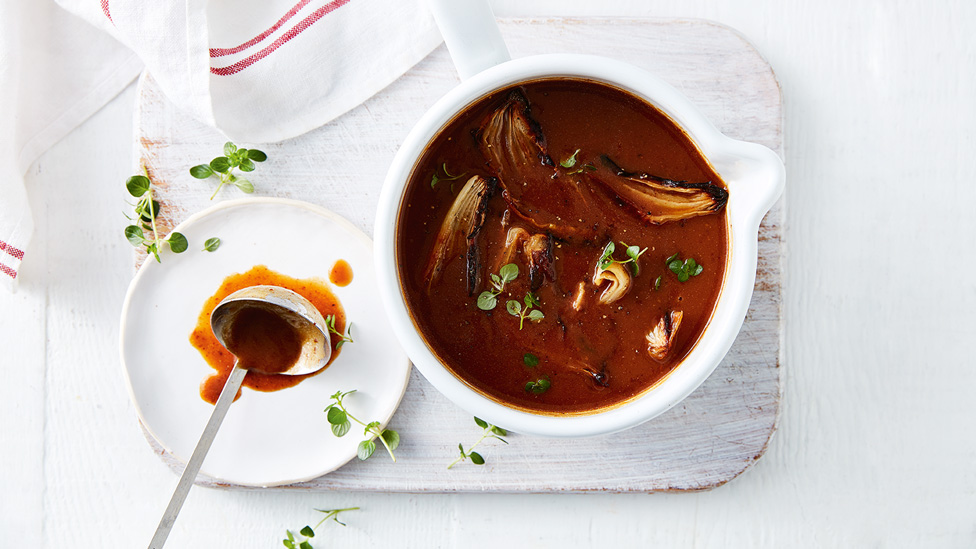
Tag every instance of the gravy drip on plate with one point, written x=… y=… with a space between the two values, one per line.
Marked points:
x=275 y=355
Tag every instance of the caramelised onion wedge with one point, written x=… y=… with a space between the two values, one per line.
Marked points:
x=659 y=200
x=511 y=140
x=660 y=339
x=619 y=280
x=459 y=230
x=537 y=250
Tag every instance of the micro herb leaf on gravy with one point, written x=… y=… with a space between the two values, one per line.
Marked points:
x=330 y=324
x=515 y=308
x=538 y=386
x=633 y=254
x=448 y=176
x=292 y=540
x=211 y=244
x=488 y=431
x=223 y=167
x=530 y=360
x=488 y=299
x=143 y=231
x=339 y=416
x=684 y=269
x=571 y=161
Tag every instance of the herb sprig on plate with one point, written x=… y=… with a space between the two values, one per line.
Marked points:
x=347 y=338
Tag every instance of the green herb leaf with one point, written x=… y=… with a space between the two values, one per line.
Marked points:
x=476 y=458
x=535 y=315
x=366 y=449
x=508 y=272
x=538 y=386
x=244 y=185
x=480 y=422
x=307 y=532
x=202 y=171
x=571 y=161
x=657 y=283
x=289 y=543
x=246 y=165
x=670 y=259
x=499 y=431
x=177 y=243
x=229 y=148
x=256 y=155
x=134 y=235
x=137 y=185
x=305 y=545
x=513 y=307
x=336 y=416
x=340 y=429
x=391 y=437
x=220 y=164
x=211 y=244
x=530 y=360
x=487 y=301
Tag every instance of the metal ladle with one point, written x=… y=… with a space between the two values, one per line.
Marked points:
x=314 y=356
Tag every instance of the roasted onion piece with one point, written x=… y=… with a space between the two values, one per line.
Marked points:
x=659 y=200
x=514 y=147
x=661 y=337
x=619 y=280
x=537 y=250
x=459 y=231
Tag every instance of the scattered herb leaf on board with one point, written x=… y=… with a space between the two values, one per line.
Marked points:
x=489 y=431
x=223 y=167
x=146 y=210
x=301 y=539
x=339 y=416
x=211 y=244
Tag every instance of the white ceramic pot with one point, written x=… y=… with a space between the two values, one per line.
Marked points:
x=754 y=175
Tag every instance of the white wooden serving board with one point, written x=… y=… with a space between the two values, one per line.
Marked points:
x=707 y=440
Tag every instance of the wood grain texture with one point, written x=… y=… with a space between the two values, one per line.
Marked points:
x=705 y=441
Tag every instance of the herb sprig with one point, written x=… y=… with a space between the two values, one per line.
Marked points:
x=571 y=161
x=633 y=254
x=330 y=324
x=339 y=417
x=223 y=167
x=291 y=540
x=489 y=298
x=515 y=308
x=684 y=269
x=146 y=210
x=490 y=431
x=538 y=386
x=448 y=176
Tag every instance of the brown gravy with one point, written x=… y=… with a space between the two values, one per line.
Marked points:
x=595 y=356
x=341 y=273
x=221 y=360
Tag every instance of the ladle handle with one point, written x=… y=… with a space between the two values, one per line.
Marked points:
x=227 y=394
x=471 y=35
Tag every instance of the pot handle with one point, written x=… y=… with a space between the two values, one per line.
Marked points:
x=471 y=34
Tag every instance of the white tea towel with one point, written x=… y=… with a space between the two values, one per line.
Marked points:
x=268 y=70
x=55 y=71
x=258 y=70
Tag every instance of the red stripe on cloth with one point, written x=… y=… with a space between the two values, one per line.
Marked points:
x=106 y=11
x=291 y=33
x=8 y=271
x=4 y=247
x=220 y=52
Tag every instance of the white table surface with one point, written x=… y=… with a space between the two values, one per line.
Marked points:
x=877 y=436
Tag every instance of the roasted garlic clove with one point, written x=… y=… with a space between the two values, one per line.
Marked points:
x=619 y=280
x=659 y=200
x=660 y=339
x=459 y=230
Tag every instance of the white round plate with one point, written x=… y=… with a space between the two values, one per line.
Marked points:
x=274 y=438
